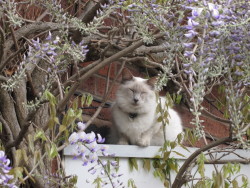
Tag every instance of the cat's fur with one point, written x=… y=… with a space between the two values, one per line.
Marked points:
x=134 y=113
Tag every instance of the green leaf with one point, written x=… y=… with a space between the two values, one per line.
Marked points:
x=98 y=182
x=18 y=157
x=62 y=128
x=49 y=96
x=40 y=135
x=166 y=155
x=166 y=184
x=89 y=99
x=25 y=157
x=131 y=183
x=31 y=143
x=83 y=99
x=37 y=156
x=133 y=164
x=173 y=145
x=17 y=172
x=1 y=127
x=201 y=167
x=146 y=164
x=235 y=184
x=159 y=119
x=179 y=154
x=53 y=151
x=184 y=147
x=75 y=104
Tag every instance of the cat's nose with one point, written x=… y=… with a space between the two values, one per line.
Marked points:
x=136 y=100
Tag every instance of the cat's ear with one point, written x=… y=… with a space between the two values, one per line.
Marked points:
x=152 y=81
x=126 y=75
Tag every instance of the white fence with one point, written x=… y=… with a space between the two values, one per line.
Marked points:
x=142 y=178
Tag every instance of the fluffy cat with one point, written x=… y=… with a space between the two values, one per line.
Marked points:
x=134 y=113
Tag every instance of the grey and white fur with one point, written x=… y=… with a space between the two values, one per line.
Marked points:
x=134 y=113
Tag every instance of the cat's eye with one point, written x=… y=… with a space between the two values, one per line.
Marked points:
x=132 y=90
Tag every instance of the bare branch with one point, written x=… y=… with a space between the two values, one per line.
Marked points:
x=105 y=98
x=6 y=128
x=24 y=130
x=180 y=180
x=111 y=59
x=2 y=65
x=2 y=36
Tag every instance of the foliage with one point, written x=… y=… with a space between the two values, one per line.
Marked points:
x=196 y=45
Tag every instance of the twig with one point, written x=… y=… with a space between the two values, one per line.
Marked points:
x=246 y=161
x=105 y=98
x=2 y=65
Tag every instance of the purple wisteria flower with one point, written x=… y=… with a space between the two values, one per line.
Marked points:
x=5 y=177
x=87 y=149
x=214 y=10
x=81 y=126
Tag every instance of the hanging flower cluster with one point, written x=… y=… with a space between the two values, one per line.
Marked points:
x=87 y=149
x=216 y=42
x=5 y=178
x=55 y=55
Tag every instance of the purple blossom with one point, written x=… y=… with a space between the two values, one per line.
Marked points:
x=191 y=34
x=188 y=53
x=104 y=148
x=73 y=138
x=196 y=12
x=82 y=136
x=49 y=37
x=188 y=45
x=81 y=126
x=84 y=160
x=100 y=139
x=193 y=58
x=188 y=71
x=214 y=10
x=93 y=146
x=5 y=178
x=214 y=33
x=93 y=157
x=114 y=163
x=90 y=137
x=82 y=149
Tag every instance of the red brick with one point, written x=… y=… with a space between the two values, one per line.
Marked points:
x=104 y=70
x=112 y=95
x=89 y=85
x=84 y=64
x=100 y=86
x=105 y=114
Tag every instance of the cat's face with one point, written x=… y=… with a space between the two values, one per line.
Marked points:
x=135 y=94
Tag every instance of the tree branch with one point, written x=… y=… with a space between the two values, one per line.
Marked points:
x=111 y=59
x=180 y=179
x=30 y=29
x=6 y=128
x=24 y=130
x=2 y=35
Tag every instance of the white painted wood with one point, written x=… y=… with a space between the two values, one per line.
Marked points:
x=142 y=178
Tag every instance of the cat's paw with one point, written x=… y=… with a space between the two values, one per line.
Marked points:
x=143 y=142
x=123 y=142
